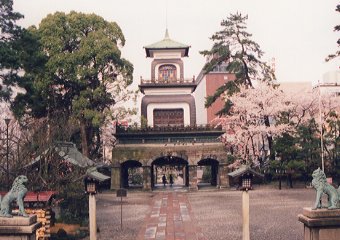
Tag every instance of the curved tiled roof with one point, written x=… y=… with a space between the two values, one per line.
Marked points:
x=166 y=43
x=243 y=170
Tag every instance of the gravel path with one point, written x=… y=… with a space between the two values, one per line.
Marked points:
x=273 y=214
x=135 y=209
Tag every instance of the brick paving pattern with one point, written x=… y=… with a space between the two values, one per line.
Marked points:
x=170 y=218
x=216 y=214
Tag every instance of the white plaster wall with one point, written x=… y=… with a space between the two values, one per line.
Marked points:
x=331 y=77
x=167 y=54
x=184 y=106
x=330 y=83
x=330 y=89
x=177 y=69
x=200 y=95
x=167 y=91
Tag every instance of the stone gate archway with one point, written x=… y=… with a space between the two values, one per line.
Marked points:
x=131 y=174
x=208 y=171
x=166 y=165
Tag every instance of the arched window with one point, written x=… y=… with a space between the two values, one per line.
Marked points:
x=167 y=73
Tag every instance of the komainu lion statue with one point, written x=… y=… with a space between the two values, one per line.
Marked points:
x=17 y=192
x=321 y=186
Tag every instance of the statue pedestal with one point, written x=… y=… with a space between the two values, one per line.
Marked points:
x=18 y=228
x=321 y=224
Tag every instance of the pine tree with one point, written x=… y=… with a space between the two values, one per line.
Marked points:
x=9 y=33
x=233 y=45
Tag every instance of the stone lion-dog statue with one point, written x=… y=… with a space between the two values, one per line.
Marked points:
x=321 y=186
x=17 y=193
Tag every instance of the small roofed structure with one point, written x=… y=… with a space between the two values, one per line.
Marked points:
x=57 y=164
x=244 y=171
x=94 y=174
x=167 y=44
x=37 y=199
x=102 y=181
x=67 y=151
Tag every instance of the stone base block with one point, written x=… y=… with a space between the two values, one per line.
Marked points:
x=321 y=224
x=19 y=228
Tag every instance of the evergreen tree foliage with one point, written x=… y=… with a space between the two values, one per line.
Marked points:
x=233 y=45
x=9 y=33
x=332 y=142
x=73 y=68
x=336 y=29
x=308 y=140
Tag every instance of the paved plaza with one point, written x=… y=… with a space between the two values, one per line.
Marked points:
x=207 y=214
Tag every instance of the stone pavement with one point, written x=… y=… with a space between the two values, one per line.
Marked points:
x=170 y=218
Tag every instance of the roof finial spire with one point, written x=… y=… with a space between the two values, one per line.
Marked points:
x=166 y=34
x=166 y=20
x=166 y=14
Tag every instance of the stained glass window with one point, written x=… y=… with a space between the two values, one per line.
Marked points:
x=167 y=73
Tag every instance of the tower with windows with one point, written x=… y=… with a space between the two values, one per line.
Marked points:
x=168 y=99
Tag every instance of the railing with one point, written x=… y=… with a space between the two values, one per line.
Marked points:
x=169 y=129
x=175 y=141
x=167 y=82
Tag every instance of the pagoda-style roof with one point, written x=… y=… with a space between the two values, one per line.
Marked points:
x=167 y=44
x=244 y=169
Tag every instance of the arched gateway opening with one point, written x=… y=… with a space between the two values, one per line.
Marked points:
x=131 y=174
x=169 y=165
x=207 y=172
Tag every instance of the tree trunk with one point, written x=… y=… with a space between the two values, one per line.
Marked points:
x=269 y=137
x=280 y=181
x=290 y=180
x=84 y=140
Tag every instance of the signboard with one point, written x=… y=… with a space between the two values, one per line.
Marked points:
x=121 y=192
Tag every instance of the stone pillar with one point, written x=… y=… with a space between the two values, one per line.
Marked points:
x=19 y=228
x=245 y=216
x=321 y=224
x=193 y=177
x=223 y=176
x=115 y=177
x=185 y=179
x=214 y=175
x=146 y=178
x=92 y=216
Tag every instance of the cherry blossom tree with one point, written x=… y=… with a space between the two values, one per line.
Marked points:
x=254 y=121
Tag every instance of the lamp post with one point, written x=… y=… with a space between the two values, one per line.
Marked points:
x=246 y=185
x=7 y=121
x=91 y=190
x=321 y=130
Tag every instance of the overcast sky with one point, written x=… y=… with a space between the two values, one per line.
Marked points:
x=297 y=33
